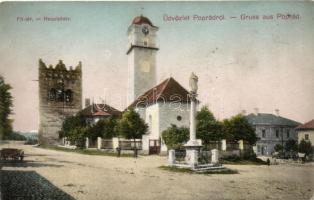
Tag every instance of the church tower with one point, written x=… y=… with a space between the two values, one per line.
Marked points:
x=60 y=95
x=142 y=50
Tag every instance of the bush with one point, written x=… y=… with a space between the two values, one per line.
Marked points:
x=278 y=148
x=31 y=141
x=77 y=136
x=305 y=147
x=175 y=137
x=291 y=146
x=104 y=128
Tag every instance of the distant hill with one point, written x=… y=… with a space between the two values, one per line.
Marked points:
x=23 y=136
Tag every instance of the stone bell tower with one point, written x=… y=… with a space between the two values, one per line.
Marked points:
x=60 y=95
x=141 y=51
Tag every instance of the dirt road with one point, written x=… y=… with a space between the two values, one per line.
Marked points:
x=49 y=174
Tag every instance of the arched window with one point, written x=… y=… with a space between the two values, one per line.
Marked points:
x=68 y=96
x=52 y=94
x=59 y=95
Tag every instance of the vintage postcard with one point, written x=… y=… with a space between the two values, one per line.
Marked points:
x=157 y=100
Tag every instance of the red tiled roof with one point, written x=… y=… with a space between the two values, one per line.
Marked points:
x=141 y=20
x=307 y=126
x=99 y=110
x=169 y=91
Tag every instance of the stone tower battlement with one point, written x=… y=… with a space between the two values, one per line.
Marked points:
x=60 y=95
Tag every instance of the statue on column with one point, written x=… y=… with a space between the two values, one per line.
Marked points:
x=193 y=83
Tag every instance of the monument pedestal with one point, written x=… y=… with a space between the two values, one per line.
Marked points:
x=192 y=148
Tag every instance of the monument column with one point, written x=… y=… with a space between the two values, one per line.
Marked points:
x=192 y=118
x=192 y=146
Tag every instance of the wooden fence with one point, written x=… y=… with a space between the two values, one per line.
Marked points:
x=106 y=144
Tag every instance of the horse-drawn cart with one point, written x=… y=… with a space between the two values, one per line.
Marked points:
x=11 y=154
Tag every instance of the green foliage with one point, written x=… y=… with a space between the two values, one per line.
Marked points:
x=236 y=160
x=77 y=136
x=131 y=126
x=175 y=137
x=291 y=145
x=104 y=128
x=75 y=129
x=278 y=147
x=190 y=171
x=238 y=128
x=70 y=123
x=31 y=141
x=15 y=136
x=207 y=127
x=5 y=109
x=305 y=147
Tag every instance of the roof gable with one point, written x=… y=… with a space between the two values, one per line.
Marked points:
x=167 y=91
x=95 y=110
x=307 y=126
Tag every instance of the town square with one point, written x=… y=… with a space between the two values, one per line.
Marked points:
x=115 y=102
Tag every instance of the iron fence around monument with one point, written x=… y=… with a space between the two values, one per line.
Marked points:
x=180 y=155
x=204 y=157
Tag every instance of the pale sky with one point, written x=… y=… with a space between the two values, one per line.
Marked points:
x=268 y=64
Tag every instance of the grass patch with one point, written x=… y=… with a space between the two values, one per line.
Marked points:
x=239 y=161
x=84 y=151
x=189 y=171
x=176 y=169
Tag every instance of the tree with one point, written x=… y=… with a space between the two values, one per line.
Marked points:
x=207 y=127
x=110 y=128
x=6 y=105
x=175 y=137
x=238 y=128
x=278 y=148
x=305 y=147
x=77 y=136
x=131 y=125
x=291 y=145
x=74 y=128
x=104 y=128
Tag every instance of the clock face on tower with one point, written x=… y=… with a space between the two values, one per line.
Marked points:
x=145 y=66
x=145 y=30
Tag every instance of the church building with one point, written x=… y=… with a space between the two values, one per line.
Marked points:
x=160 y=105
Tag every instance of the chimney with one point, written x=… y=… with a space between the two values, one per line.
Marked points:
x=87 y=102
x=277 y=112
x=256 y=111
